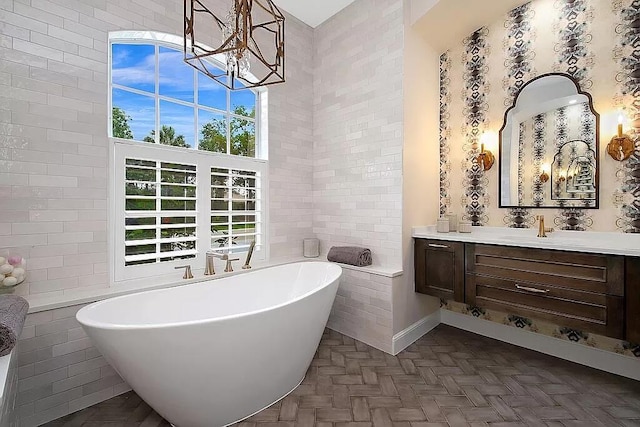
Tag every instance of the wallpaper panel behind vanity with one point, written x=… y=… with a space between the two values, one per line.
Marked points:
x=592 y=40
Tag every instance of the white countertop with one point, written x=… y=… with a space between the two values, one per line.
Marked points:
x=576 y=241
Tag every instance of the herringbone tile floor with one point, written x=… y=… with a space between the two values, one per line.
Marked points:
x=447 y=378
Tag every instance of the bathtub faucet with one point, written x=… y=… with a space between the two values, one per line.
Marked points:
x=247 y=260
x=187 y=271
x=225 y=257
x=209 y=269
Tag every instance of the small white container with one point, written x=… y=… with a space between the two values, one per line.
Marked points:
x=453 y=221
x=311 y=248
x=442 y=225
x=464 y=226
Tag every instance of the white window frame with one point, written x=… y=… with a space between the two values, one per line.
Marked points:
x=120 y=149
x=171 y=41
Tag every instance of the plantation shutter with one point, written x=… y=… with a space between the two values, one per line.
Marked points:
x=236 y=218
x=160 y=211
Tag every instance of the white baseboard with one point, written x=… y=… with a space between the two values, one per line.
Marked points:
x=408 y=336
x=589 y=356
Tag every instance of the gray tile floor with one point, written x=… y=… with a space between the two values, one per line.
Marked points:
x=447 y=378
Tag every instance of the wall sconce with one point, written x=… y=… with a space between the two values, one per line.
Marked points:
x=544 y=176
x=621 y=146
x=563 y=176
x=486 y=157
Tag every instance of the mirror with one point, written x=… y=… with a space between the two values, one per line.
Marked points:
x=549 y=146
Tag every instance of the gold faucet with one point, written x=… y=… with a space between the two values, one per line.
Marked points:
x=209 y=268
x=247 y=260
x=225 y=257
x=187 y=271
x=542 y=230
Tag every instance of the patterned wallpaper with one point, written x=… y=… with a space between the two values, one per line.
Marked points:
x=546 y=328
x=594 y=41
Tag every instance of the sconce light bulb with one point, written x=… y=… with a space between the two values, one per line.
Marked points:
x=620 y=123
x=546 y=168
x=489 y=139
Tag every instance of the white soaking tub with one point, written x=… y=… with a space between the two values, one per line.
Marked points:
x=212 y=353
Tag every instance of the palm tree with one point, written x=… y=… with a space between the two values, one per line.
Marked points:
x=167 y=137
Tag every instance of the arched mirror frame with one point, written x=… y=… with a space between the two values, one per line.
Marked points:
x=597 y=144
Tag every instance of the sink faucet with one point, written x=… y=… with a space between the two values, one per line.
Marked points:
x=542 y=230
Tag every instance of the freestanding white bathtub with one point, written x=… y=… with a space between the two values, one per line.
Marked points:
x=212 y=353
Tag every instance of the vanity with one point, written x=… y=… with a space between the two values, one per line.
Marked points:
x=584 y=281
x=548 y=160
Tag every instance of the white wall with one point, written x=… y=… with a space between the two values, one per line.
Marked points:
x=53 y=144
x=54 y=167
x=421 y=167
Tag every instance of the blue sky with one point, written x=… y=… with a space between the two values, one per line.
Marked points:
x=134 y=67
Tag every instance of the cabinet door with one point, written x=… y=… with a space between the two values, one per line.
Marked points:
x=439 y=269
x=632 y=283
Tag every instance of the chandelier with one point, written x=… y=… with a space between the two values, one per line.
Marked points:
x=252 y=48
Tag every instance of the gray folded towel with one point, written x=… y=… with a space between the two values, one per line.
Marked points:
x=13 y=311
x=352 y=255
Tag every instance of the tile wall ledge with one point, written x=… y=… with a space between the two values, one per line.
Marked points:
x=610 y=243
x=375 y=269
x=79 y=296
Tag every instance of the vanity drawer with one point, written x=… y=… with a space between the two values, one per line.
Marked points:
x=587 y=311
x=600 y=274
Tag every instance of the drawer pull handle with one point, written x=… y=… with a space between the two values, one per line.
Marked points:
x=534 y=290
x=435 y=245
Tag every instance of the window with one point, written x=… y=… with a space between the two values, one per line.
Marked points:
x=189 y=162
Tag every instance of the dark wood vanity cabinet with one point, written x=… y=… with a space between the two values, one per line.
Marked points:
x=589 y=292
x=633 y=299
x=578 y=290
x=439 y=269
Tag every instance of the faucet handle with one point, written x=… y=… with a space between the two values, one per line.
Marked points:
x=187 y=271
x=229 y=267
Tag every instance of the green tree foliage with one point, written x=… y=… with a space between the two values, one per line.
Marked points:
x=167 y=137
x=243 y=135
x=120 y=124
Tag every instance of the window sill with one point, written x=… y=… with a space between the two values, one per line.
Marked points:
x=78 y=296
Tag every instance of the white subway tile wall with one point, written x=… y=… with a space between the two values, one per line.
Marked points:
x=362 y=309
x=53 y=127
x=358 y=129
x=59 y=371
x=54 y=168
x=291 y=146
x=335 y=156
